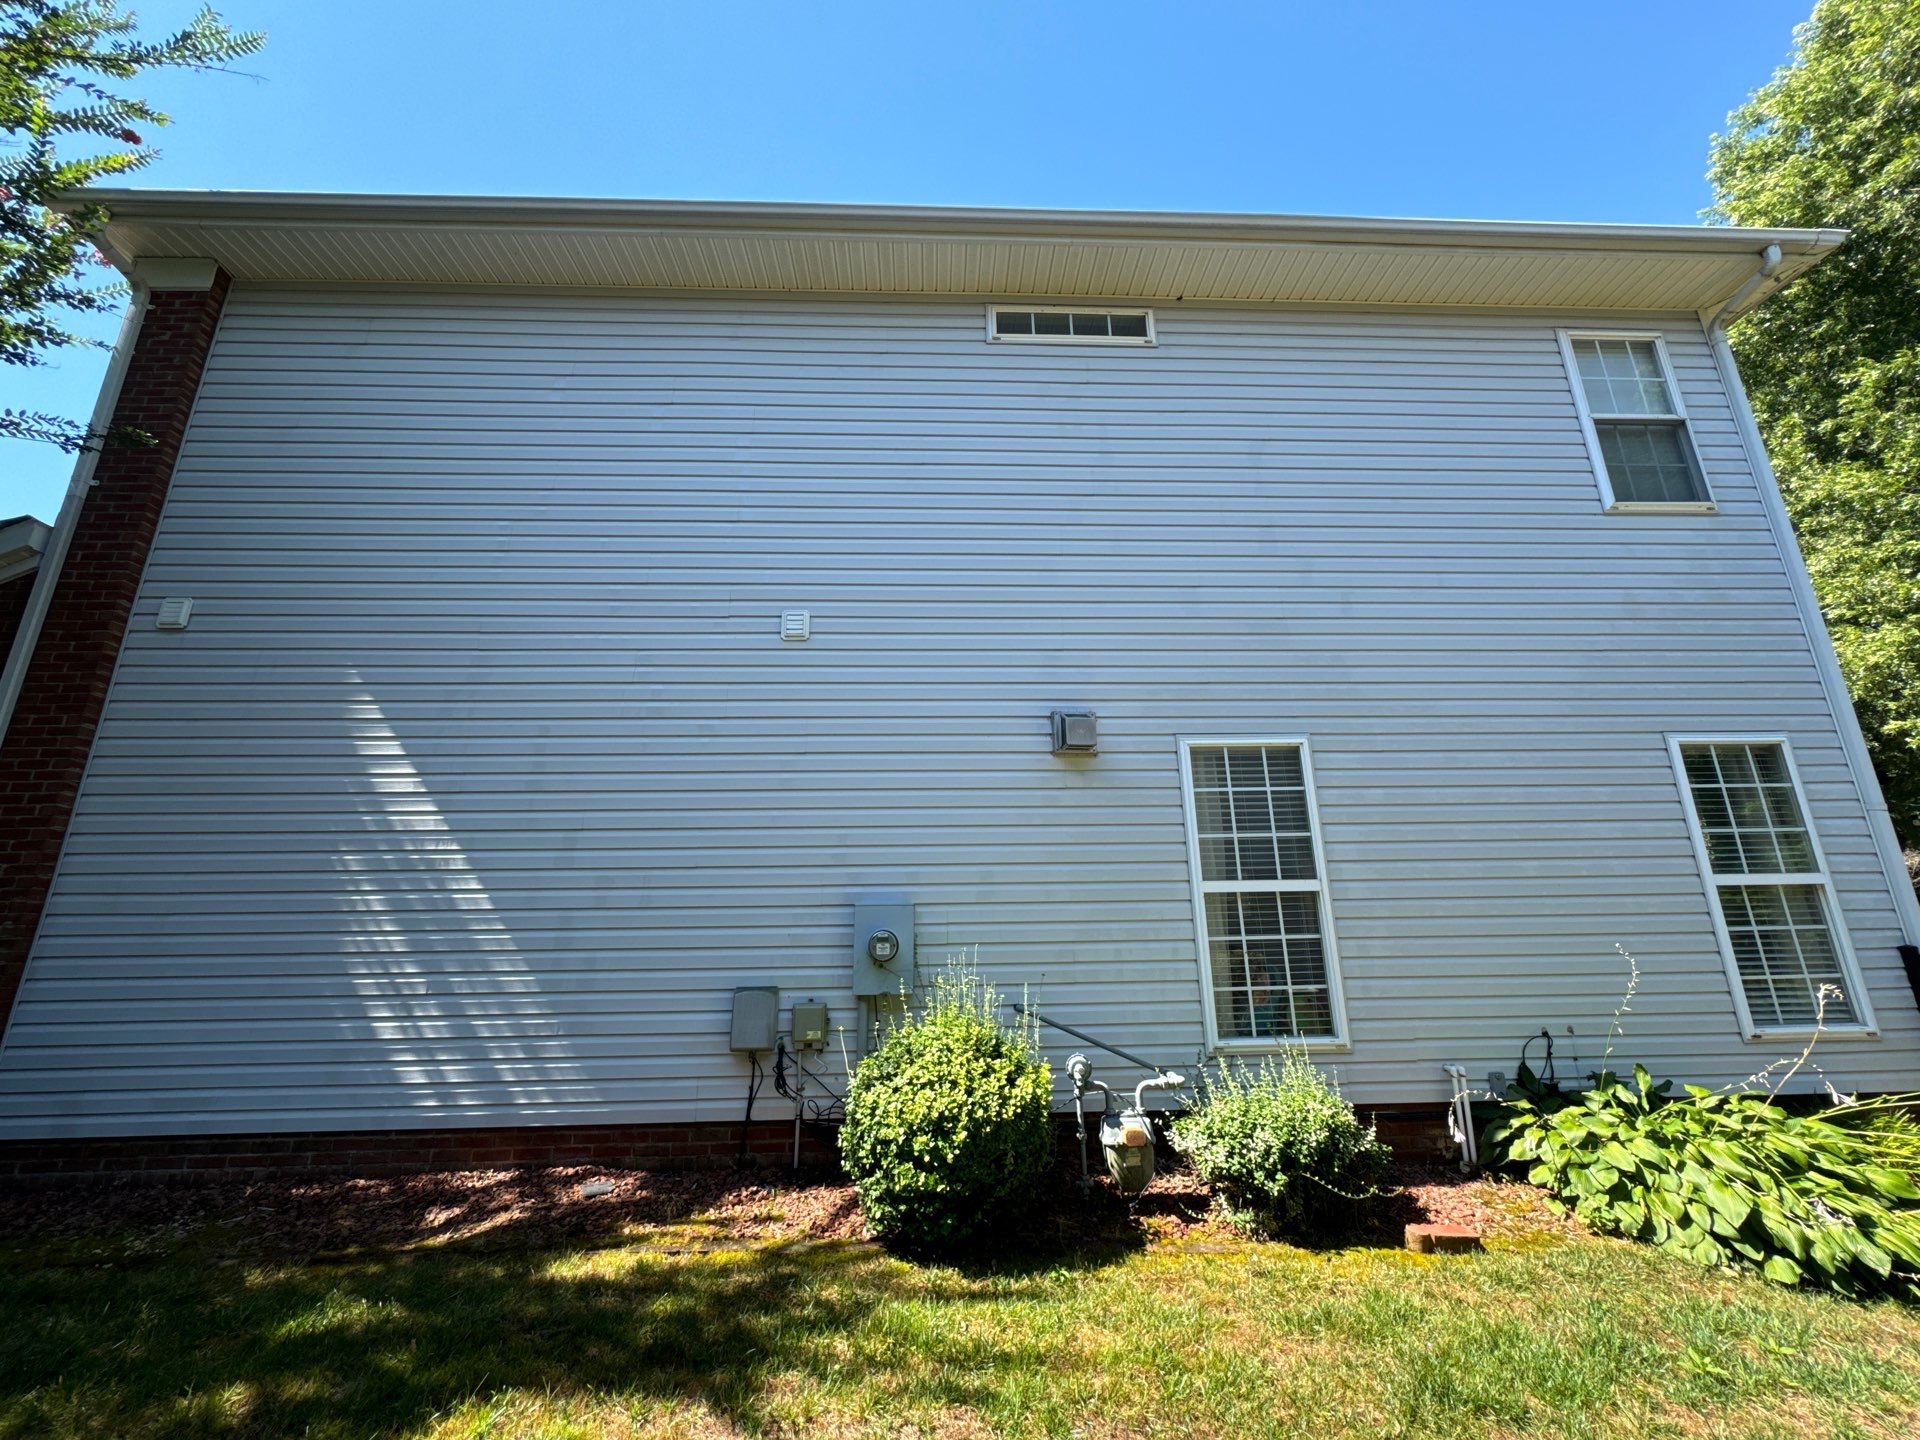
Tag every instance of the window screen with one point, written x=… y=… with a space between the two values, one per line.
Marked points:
x=1767 y=880
x=1126 y=326
x=1644 y=445
x=1261 y=893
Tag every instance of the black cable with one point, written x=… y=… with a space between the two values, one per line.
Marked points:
x=820 y=1114
x=1546 y=1076
x=755 y=1076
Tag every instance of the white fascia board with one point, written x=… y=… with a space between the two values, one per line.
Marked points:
x=307 y=207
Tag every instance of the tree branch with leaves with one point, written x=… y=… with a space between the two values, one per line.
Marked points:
x=1833 y=362
x=61 y=65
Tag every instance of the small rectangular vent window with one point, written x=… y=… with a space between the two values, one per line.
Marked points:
x=1061 y=324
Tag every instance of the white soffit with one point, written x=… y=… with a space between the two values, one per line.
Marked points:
x=922 y=251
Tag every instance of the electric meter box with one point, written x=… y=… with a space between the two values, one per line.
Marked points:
x=882 y=945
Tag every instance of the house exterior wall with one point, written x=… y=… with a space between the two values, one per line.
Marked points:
x=47 y=739
x=482 y=776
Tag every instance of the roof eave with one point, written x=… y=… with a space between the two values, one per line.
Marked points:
x=272 y=214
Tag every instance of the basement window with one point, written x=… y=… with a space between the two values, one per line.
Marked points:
x=1260 y=908
x=1773 y=902
x=1636 y=431
x=1068 y=325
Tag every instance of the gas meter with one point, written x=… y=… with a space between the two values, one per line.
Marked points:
x=1126 y=1139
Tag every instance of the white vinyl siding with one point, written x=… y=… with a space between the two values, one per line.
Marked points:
x=1762 y=859
x=1635 y=423
x=1267 y=963
x=482 y=775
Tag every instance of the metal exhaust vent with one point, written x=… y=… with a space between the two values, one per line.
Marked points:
x=1075 y=732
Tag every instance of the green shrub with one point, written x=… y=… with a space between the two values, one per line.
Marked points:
x=948 y=1123
x=1826 y=1197
x=1281 y=1146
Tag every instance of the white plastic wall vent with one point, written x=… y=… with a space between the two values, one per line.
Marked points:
x=796 y=624
x=175 y=611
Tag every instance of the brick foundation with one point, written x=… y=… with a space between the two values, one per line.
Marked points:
x=399 y=1152
x=45 y=749
x=1412 y=1132
x=1415 y=1133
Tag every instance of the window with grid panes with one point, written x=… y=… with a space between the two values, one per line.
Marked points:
x=1642 y=433
x=1261 y=893
x=1767 y=880
x=1124 y=327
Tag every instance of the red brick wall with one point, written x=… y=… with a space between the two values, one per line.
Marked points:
x=390 y=1152
x=45 y=748
x=1415 y=1133
x=13 y=604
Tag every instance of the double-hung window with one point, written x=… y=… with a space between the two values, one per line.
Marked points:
x=1266 y=945
x=1636 y=431
x=1773 y=903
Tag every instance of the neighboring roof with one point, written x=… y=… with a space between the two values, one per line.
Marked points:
x=686 y=244
x=23 y=540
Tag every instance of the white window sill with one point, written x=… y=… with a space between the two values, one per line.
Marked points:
x=1133 y=341
x=1843 y=1033
x=1278 y=1047
x=1663 y=507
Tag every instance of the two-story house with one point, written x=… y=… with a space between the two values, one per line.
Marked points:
x=539 y=619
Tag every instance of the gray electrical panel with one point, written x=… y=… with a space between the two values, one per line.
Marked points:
x=756 y=1018
x=882 y=945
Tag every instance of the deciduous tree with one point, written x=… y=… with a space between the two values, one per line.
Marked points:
x=61 y=64
x=1833 y=362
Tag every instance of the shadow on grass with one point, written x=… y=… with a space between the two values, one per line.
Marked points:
x=257 y=1321
x=377 y=1346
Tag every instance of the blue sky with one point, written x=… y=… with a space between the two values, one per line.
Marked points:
x=1403 y=107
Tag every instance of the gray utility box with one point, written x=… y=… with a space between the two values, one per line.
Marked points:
x=882 y=945
x=756 y=1018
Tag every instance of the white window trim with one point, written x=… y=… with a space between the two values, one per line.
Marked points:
x=1608 y=501
x=995 y=338
x=1209 y=1006
x=1865 y=1027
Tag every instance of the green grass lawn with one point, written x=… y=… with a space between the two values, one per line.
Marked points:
x=657 y=1332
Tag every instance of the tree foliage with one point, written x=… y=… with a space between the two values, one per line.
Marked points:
x=60 y=61
x=1833 y=362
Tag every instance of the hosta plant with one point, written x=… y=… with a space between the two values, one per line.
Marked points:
x=1824 y=1197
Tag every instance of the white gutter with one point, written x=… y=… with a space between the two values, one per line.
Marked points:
x=299 y=209
x=1853 y=740
x=14 y=675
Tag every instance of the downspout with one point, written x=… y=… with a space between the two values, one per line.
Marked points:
x=1769 y=262
x=1853 y=740
x=40 y=599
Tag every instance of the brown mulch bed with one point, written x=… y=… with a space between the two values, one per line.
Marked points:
x=521 y=1207
x=534 y=1206
x=1494 y=1206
